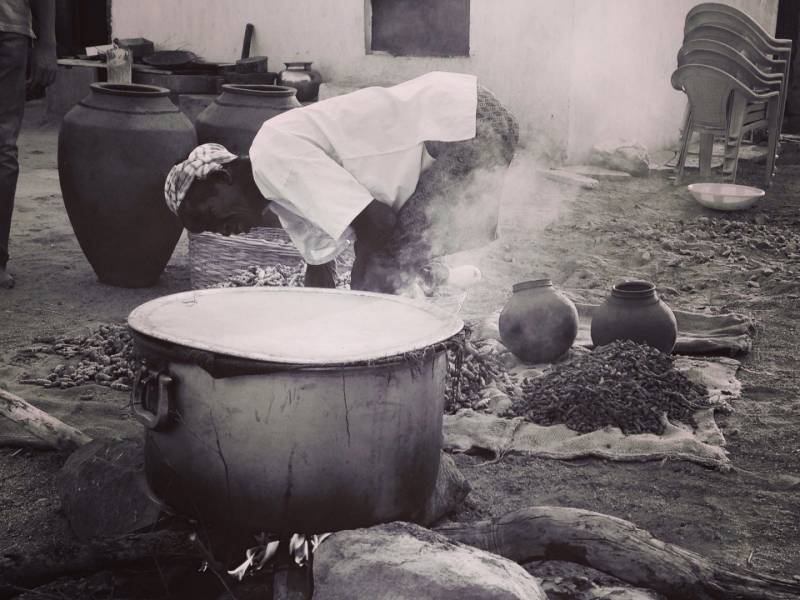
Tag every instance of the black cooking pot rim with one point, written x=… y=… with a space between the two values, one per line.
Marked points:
x=252 y=89
x=129 y=89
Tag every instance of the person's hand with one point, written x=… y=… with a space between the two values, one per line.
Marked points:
x=44 y=65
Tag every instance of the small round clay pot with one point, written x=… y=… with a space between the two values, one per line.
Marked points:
x=635 y=312
x=538 y=323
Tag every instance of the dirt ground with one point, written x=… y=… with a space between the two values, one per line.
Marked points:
x=585 y=240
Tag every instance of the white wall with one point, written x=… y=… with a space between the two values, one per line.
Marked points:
x=621 y=67
x=572 y=71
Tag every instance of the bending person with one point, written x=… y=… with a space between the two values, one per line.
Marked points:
x=406 y=173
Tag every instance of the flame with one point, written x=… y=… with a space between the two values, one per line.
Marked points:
x=258 y=556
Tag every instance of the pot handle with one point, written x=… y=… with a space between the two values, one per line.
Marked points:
x=151 y=398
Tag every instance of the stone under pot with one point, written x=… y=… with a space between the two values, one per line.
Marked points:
x=635 y=312
x=236 y=115
x=538 y=323
x=115 y=148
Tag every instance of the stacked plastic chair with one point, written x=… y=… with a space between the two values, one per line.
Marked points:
x=757 y=114
x=736 y=77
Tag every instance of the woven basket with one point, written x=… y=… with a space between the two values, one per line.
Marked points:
x=213 y=258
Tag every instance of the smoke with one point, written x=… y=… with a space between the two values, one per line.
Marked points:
x=471 y=192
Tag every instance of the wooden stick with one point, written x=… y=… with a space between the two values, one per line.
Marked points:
x=616 y=547
x=56 y=433
x=45 y=563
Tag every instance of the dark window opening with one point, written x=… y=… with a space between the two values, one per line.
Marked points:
x=420 y=27
x=81 y=23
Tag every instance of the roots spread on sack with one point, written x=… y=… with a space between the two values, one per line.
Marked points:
x=623 y=384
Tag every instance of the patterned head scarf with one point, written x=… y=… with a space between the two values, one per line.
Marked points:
x=203 y=160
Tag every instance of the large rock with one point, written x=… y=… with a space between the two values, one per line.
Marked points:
x=402 y=561
x=619 y=155
x=451 y=490
x=104 y=492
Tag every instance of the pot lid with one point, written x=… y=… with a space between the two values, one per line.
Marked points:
x=311 y=326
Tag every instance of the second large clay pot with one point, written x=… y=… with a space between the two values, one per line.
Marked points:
x=538 y=323
x=115 y=148
x=236 y=115
x=635 y=312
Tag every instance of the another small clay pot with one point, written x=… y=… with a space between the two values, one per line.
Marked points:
x=538 y=323
x=635 y=312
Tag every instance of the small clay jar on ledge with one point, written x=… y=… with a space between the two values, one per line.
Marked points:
x=303 y=78
x=635 y=312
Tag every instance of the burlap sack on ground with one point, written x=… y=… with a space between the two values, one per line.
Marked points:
x=472 y=432
x=106 y=415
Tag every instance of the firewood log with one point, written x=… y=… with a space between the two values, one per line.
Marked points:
x=55 y=433
x=30 y=567
x=605 y=543
x=616 y=547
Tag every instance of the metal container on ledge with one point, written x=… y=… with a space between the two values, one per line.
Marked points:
x=303 y=78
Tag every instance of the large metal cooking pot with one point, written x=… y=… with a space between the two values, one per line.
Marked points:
x=292 y=410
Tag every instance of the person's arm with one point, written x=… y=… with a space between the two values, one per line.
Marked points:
x=300 y=178
x=43 y=60
x=374 y=225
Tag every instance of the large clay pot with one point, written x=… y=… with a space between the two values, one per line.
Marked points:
x=635 y=312
x=236 y=115
x=115 y=149
x=303 y=78
x=538 y=323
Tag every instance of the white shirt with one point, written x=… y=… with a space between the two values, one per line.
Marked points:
x=322 y=164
